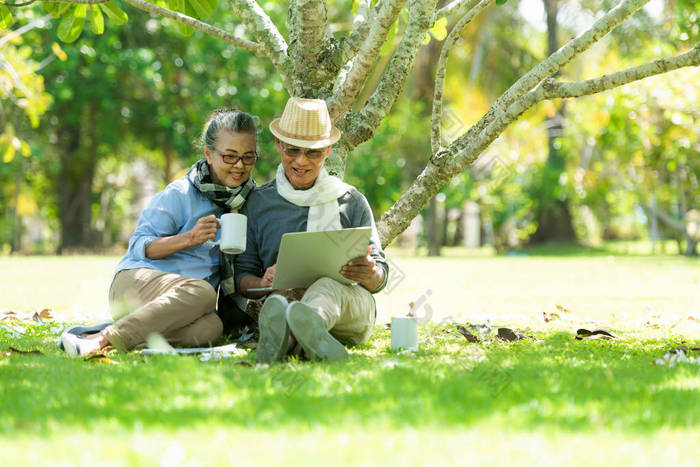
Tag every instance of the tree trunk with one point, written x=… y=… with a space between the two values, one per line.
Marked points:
x=75 y=186
x=554 y=221
x=424 y=82
x=15 y=241
x=434 y=230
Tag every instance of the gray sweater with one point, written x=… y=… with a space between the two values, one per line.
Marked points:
x=270 y=216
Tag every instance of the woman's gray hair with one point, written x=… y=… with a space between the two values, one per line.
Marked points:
x=229 y=119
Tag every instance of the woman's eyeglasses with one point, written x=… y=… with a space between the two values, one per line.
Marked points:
x=231 y=159
x=294 y=151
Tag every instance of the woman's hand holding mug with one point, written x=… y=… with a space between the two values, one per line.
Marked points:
x=204 y=229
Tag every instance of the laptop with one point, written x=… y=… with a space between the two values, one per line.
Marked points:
x=305 y=257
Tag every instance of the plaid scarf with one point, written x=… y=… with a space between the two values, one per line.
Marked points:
x=231 y=199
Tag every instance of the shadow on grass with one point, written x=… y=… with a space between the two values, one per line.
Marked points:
x=556 y=383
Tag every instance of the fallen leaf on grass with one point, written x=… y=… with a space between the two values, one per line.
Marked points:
x=12 y=350
x=549 y=316
x=9 y=315
x=243 y=363
x=37 y=316
x=483 y=329
x=467 y=335
x=597 y=333
x=508 y=335
x=100 y=358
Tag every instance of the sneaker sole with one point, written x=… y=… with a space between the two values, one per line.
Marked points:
x=274 y=332
x=310 y=331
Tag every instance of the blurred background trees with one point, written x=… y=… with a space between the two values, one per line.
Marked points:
x=89 y=131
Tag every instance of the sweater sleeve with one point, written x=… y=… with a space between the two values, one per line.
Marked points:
x=360 y=215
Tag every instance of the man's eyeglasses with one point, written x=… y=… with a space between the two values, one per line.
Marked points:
x=294 y=151
x=249 y=158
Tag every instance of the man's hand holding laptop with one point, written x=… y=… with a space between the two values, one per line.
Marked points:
x=364 y=270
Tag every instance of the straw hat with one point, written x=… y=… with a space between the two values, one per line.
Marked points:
x=305 y=123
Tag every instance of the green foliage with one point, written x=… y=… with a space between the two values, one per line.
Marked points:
x=641 y=143
x=72 y=24
x=114 y=13
x=97 y=21
x=6 y=19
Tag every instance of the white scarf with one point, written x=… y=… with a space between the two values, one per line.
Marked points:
x=322 y=199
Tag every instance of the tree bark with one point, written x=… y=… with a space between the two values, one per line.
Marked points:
x=554 y=221
x=15 y=241
x=75 y=186
x=426 y=63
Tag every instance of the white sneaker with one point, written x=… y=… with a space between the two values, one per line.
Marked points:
x=76 y=346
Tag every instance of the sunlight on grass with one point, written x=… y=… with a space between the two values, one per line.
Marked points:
x=551 y=399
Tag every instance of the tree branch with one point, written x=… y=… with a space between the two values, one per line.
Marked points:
x=307 y=39
x=17 y=5
x=76 y=2
x=347 y=92
x=564 y=55
x=456 y=157
x=450 y=42
x=555 y=89
x=37 y=23
x=269 y=37
x=461 y=6
x=193 y=22
x=668 y=220
x=350 y=44
x=360 y=127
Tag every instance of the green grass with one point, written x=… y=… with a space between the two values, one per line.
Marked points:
x=552 y=400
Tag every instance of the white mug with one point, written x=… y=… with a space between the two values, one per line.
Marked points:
x=404 y=333
x=233 y=229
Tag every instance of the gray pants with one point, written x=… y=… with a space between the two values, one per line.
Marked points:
x=349 y=311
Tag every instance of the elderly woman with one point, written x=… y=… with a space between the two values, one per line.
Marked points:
x=166 y=283
x=304 y=197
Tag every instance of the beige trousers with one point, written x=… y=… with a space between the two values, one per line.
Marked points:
x=144 y=301
x=349 y=311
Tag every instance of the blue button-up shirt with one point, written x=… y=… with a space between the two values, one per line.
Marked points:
x=175 y=210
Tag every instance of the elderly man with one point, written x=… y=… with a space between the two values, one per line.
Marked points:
x=304 y=197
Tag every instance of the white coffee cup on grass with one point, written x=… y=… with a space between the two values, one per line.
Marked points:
x=233 y=228
x=404 y=333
